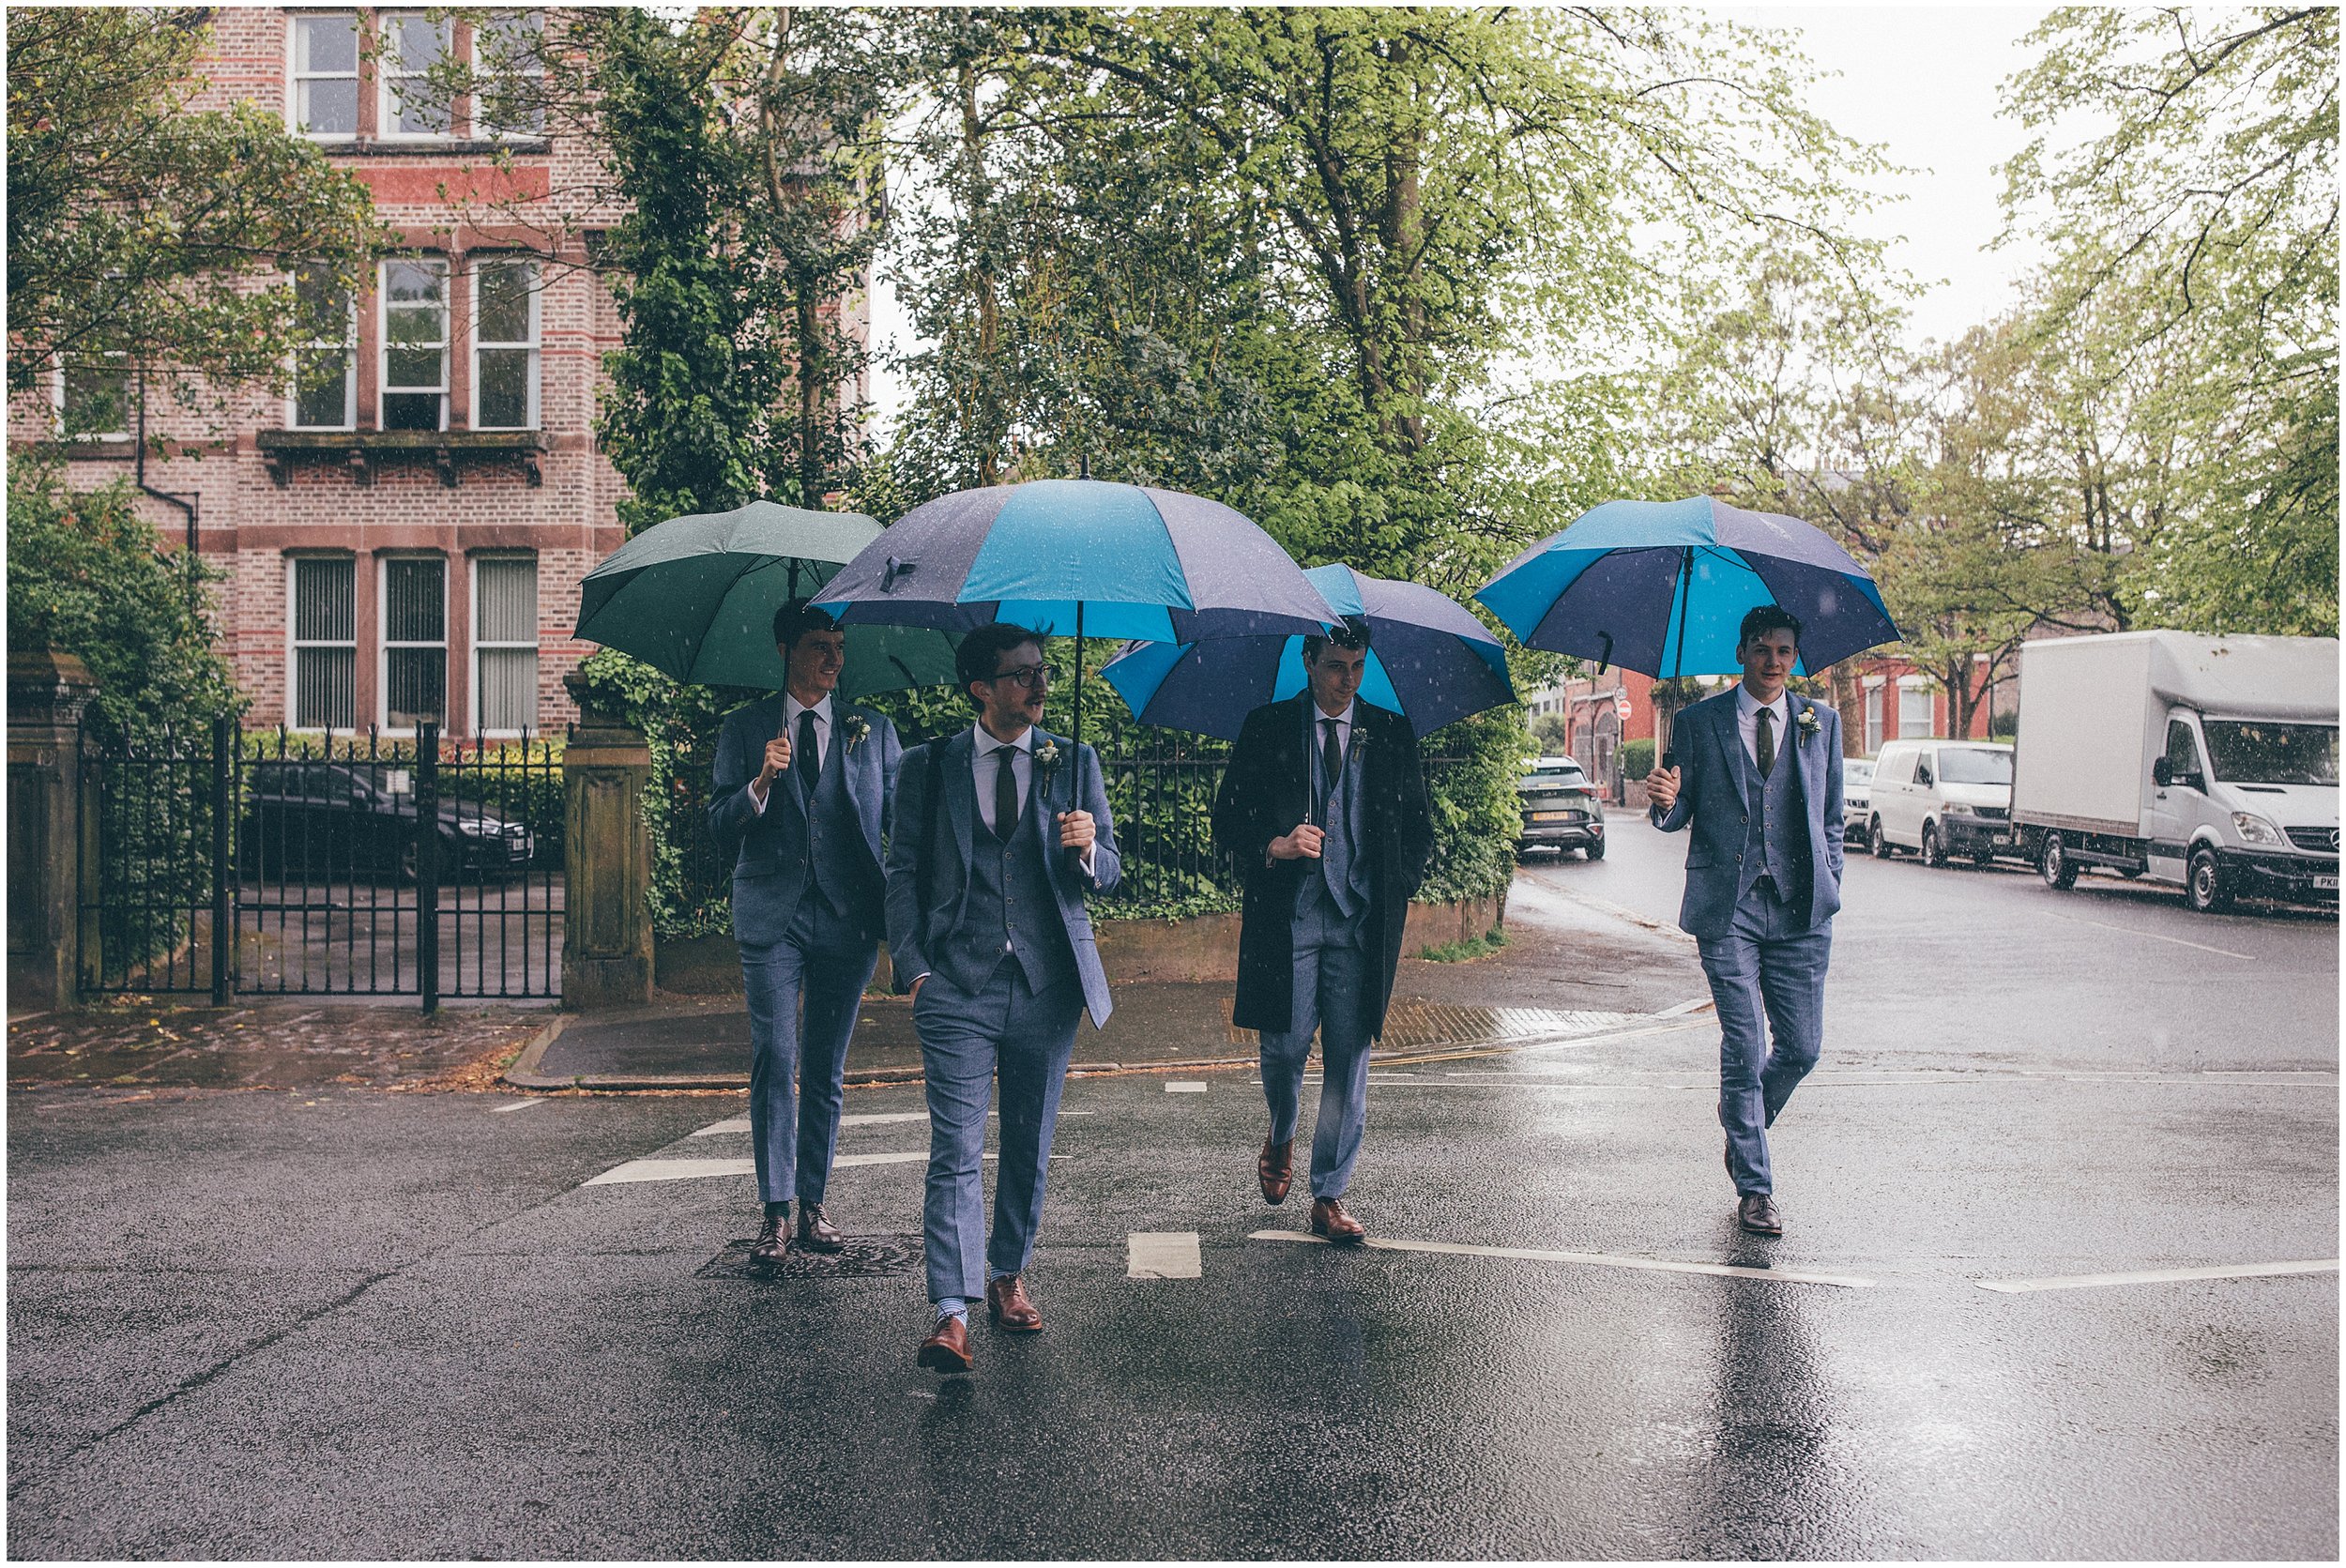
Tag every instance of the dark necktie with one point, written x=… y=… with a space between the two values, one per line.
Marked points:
x=1331 y=759
x=804 y=757
x=1005 y=793
x=1765 y=742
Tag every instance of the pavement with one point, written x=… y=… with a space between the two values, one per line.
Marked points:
x=2060 y=1281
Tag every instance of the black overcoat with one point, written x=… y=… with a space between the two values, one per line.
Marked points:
x=1263 y=796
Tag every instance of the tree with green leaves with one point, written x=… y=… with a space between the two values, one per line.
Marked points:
x=147 y=234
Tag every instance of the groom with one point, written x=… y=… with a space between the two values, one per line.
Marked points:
x=802 y=791
x=1758 y=776
x=1001 y=830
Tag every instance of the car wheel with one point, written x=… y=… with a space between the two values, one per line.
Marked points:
x=2054 y=865
x=1596 y=851
x=1934 y=853
x=1878 y=841
x=2209 y=889
x=403 y=867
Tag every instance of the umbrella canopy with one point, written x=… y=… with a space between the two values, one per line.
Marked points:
x=1662 y=587
x=696 y=596
x=1131 y=561
x=1428 y=659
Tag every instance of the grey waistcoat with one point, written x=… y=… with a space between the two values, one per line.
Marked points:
x=1343 y=879
x=1771 y=830
x=1009 y=911
x=837 y=854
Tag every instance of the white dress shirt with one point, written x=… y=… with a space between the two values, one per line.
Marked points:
x=1747 y=721
x=791 y=709
x=1343 y=729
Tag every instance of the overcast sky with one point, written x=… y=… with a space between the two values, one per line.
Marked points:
x=1921 y=80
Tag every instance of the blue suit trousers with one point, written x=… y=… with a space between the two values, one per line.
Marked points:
x=824 y=961
x=1332 y=980
x=1767 y=979
x=1029 y=1037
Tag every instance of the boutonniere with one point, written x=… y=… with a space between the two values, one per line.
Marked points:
x=1046 y=758
x=855 y=726
x=1808 y=725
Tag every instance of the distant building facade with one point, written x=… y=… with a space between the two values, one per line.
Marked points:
x=404 y=534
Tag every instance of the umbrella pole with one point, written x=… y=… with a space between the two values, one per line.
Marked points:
x=1685 y=597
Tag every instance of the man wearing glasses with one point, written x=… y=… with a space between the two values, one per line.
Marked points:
x=1001 y=830
x=801 y=790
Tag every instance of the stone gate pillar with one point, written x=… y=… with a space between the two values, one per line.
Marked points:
x=46 y=693
x=607 y=919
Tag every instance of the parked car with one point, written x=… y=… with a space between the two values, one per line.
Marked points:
x=1941 y=799
x=1561 y=809
x=2208 y=762
x=332 y=819
x=1856 y=774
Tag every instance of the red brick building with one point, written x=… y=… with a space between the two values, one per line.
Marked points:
x=405 y=533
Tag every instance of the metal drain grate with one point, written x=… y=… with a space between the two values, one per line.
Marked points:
x=860 y=1257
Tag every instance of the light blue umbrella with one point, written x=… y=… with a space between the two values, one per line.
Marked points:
x=1429 y=660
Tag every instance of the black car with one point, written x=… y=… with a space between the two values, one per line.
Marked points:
x=1561 y=809
x=336 y=819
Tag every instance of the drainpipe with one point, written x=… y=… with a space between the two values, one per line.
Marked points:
x=186 y=504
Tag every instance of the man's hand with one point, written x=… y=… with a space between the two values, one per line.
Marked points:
x=777 y=761
x=1302 y=845
x=1661 y=785
x=1075 y=831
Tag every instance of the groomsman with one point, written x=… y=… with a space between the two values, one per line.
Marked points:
x=802 y=784
x=1758 y=777
x=1324 y=804
x=1001 y=829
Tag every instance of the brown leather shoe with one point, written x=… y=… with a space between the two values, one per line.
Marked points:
x=1330 y=1220
x=1274 y=1169
x=774 y=1241
x=947 y=1348
x=1756 y=1213
x=1008 y=1304
x=816 y=1232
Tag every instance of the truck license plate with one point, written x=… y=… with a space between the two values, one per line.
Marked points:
x=2325 y=884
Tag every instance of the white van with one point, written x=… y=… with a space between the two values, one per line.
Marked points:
x=1941 y=799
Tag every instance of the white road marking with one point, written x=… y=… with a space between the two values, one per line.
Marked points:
x=1184 y=1086
x=2133 y=931
x=512 y=1106
x=2159 y=1276
x=1602 y=1260
x=1161 y=1255
x=853 y=1119
x=680 y=1170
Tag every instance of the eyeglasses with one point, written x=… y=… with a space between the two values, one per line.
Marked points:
x=1034 y=678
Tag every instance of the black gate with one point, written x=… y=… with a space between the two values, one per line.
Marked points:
x=303 y=865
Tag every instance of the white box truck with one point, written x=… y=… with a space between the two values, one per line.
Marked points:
x=2209 y=762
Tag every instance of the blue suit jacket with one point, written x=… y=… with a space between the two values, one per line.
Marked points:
x=911 y=926
x=1715 y=781
x=770 y=871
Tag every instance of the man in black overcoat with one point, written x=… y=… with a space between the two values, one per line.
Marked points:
x=1324 y=805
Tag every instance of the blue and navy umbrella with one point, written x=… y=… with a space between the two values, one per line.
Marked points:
x=1662 y=587
x=1428 y=659
x=1080 y=558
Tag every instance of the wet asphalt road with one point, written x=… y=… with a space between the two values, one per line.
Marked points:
x=373 y=1324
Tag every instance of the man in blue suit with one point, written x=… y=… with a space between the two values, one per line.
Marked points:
x=1002 y=830
x=1757 y=774
x=802 y=786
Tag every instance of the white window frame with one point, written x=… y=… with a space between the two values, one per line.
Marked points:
x=294 y=644
x=383 y=645
x=296 y=77
x=479 y=644
x=389 y=70
x=1915 y=683
x=474 y=269
x=349 y=347
x=480 y=128
x=385 y=391
x=57 y=400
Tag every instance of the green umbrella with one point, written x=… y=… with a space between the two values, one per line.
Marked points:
x=694 y=597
